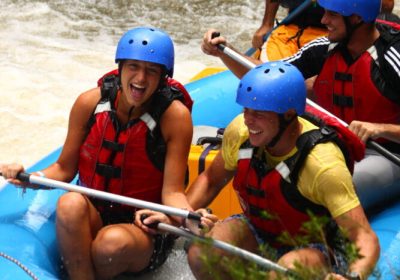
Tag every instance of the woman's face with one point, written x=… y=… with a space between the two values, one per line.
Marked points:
x=139 y=80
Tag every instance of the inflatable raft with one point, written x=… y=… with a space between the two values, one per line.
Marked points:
x=28 y=245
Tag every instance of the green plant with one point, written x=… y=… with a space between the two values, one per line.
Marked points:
x=222 y=266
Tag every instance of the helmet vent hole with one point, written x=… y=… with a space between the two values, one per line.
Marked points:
x=131 y=41
x=281 y=70
x=144 y=43
x=267 y=71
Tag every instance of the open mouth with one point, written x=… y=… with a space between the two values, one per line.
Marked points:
x=136 y=91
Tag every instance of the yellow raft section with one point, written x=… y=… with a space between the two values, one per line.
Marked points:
x=226 y=203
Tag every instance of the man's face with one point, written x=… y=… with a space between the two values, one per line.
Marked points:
x=262 y=126
x=336 y=26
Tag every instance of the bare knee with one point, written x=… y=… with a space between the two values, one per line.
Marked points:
x=117 y=249
x=72 y=207
x=306 y=257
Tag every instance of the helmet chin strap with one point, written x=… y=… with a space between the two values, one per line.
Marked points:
x=283 y=124
x=350 y=28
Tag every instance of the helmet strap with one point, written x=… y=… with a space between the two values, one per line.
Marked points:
x=120 y=65
x=350 y=28
x=283 y=124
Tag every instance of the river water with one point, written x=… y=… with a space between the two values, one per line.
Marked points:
x=51 y=51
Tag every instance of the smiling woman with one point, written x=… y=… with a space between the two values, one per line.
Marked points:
x=130 y=137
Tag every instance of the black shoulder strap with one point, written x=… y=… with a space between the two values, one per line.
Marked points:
x=109 y=88
x=306 y=142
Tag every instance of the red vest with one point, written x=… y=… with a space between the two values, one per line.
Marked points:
x=270 y=197
x=349 y=92
x=272 y=204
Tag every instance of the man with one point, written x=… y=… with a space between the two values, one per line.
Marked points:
x=262 y=159
x=365 y=62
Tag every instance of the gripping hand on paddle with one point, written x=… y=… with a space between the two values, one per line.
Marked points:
x=211 y=41
x=10 y=173
x=367 y=130
x=207 y=222
x=148 y=221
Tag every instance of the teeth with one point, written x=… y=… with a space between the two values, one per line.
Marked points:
x=137 y=87
x=255 y=131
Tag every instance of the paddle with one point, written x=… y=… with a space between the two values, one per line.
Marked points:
x=285 y=21
x=245 y=62
x=33 y=179
x=224 y=246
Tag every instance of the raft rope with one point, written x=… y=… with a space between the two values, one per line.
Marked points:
x=17 y=262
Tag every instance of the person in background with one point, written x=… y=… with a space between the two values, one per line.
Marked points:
x=387 y=6
x=358 y=79
x=130 y=137
x=259 y=151
x=288 y=38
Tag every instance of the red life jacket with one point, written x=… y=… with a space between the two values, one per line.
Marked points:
x=126 y=160
x=348 y=91
x=270 y=197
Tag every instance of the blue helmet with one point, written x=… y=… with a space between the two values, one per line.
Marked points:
x=273 y=86
x=147 y=44
x=368 y=10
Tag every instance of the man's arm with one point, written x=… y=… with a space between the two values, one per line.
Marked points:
x=209 y=183
x=311 y=57
x=209 y=46
x=356 y=226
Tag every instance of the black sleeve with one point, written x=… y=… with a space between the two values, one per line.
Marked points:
x=390 y=70
x=311 y=57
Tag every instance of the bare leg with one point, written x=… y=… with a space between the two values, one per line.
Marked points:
x=77 y=223
x=119 y=248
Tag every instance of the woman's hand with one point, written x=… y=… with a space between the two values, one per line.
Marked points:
x=10 y=172
x=147 y=220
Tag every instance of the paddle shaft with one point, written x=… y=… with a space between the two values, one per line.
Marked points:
x=370 y=144
x=226 y=247
x=27 y=177
x=286 y=20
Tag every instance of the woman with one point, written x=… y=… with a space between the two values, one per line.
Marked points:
x=131 y=137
